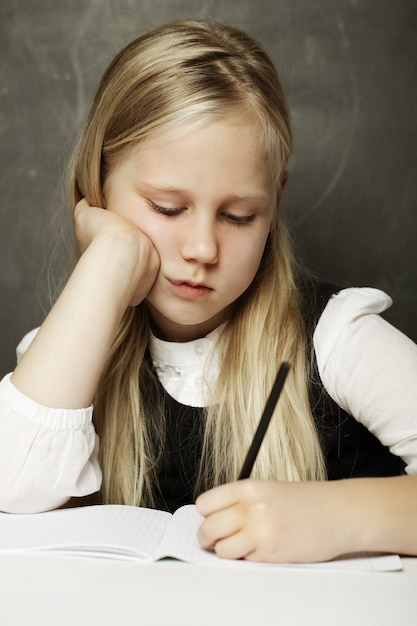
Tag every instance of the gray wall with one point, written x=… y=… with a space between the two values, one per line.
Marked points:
x=350 y=69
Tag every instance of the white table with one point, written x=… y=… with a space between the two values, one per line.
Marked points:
x=56 y=590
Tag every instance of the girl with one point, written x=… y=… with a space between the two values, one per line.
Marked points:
x=184 y=298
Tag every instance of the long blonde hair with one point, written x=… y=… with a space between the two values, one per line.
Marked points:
x=177 y=72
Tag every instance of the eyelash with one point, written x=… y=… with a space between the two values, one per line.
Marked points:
x=241 y=220
x=233 y=219
x=164 y=210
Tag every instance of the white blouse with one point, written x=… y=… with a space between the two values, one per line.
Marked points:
x=366 y=365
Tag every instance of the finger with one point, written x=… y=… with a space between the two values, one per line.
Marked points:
x=217 y=499
x=237 y=546
x=220 y=525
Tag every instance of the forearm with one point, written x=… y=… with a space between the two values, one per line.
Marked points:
x=380 y=514
x=63 y=365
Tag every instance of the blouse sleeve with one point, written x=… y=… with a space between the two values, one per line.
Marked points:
x=370 y=368
x=47 y=455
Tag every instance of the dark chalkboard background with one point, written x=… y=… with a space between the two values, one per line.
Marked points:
x=350 y=70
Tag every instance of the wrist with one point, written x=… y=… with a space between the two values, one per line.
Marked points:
x=120 y=267
x=375 y=511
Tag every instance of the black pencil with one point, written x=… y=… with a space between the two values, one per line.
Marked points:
x=264 y=421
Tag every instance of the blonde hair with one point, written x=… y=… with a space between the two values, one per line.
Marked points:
x=185 y=71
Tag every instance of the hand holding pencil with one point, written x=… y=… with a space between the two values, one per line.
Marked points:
x=272 y=521
x=239 y=516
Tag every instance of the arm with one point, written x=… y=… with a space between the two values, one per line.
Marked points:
x=62 y=366
x=48 y=447
x=310 y=521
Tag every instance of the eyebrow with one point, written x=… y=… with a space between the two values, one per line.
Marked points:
x=245 y=195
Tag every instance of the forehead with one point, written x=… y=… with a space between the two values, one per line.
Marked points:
x=215 y=150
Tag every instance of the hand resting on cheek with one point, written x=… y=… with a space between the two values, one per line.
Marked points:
x=96 y=224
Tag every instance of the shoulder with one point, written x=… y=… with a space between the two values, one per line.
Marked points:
x=367 y=366
x=318 y=297
x=357 y=301
x=346 y=311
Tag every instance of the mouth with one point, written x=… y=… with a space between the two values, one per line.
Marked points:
x=189 y=288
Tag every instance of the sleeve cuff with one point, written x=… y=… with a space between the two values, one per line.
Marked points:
x=42 y=415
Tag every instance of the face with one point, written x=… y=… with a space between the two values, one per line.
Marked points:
x=202 y=194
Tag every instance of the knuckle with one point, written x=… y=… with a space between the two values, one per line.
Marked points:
x=250 y=489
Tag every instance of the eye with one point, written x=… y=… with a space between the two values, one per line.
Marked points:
x=239 y=219
x=165 y=210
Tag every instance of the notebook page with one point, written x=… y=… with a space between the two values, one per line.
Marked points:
x=180 y=542
x=102 y=530
x=180 y=538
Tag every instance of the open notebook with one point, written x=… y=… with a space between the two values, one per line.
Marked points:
x=127 y=532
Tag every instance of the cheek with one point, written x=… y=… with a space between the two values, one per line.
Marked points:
x=244 y=259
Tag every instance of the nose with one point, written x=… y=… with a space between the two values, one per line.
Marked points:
x=200 y=243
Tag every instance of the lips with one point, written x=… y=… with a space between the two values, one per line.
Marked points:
x=190 y=283
x=189 y=288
